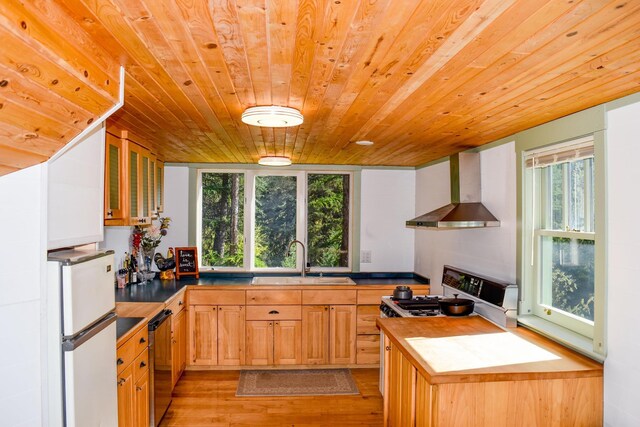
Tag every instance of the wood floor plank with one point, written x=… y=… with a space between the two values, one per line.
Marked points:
x=207 y=398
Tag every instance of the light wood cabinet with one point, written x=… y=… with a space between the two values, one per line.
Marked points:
x=231 y=330
x=217 y=335
x=133 y=381
x=114 y=180
x=159 y=187
x=273 y=342
x=342 y=334
x=126 y=401
x=315 y=334
x=401 y=380
x=178 y=345
x=259 y=339
x=134 y=181
x=203 y=335
x=287 y=347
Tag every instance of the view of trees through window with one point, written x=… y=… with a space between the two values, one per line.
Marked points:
x=328 y=219
x=222 y=219
x=274 y=220
x=570 y=263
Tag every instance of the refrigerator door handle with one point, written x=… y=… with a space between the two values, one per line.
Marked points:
x=72 y=343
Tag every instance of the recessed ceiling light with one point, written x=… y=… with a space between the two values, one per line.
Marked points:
x=364 y=142
x=274 y=161
x=272 y=116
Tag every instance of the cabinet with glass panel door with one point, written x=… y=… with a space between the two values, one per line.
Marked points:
x=134 y=181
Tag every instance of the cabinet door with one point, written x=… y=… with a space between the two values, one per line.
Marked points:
x=287 y=346
x=152 y=186
x=402 y=390
x=159 y=195
x=145 y=185
x=114 y=202
x=142 y=400
x=178 y=345
x=315 y=334
x=203 y=334
x=424 y=397
x=259 y=344
x=126 y=402
x=231 y=340
x=342 y=339
x=134 y=192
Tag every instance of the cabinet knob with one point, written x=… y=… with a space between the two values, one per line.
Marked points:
x=109 y=213
x=388 y=348
x=138 y=388
x=274 y=312
x=120 y=361
x=122 y=381
x=179 y=302
x=142 y=364
x=142 y=340
x=326 y=308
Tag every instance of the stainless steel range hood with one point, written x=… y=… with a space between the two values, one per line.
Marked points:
x=465 y=210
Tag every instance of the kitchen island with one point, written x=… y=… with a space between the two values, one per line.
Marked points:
x=466 y=371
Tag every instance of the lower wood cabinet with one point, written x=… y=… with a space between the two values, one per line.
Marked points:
x=133 y=381
x=216 y=335
x=273 y=342
x=329 y=334
x=178 y=345
x=401 y=377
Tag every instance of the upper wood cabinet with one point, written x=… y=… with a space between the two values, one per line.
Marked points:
x=134 y=182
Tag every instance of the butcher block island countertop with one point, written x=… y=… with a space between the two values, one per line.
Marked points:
x=466 y=371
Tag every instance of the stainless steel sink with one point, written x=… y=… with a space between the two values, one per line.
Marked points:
x=302 y=281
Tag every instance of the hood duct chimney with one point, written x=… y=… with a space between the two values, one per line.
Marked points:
x=466 y=209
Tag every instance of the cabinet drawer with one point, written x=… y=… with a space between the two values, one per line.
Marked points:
x=177 y=304
x=215 y=297
x=131 y=348
x=373 y=296
x=367 y=315
x=274 y=312
x=333 y=297
x=368 y=349
x=141 y=365
x=256 y=297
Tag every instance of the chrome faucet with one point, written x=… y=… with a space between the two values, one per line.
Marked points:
x=305 y=269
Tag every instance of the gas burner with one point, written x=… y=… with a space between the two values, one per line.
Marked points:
x=424 y=313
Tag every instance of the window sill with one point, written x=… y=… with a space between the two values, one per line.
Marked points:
x=566 y=337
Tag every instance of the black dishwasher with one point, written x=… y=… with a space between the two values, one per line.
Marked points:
x=160 y=366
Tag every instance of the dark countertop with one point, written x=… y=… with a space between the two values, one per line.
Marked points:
x=162 y=290
x=124 y=325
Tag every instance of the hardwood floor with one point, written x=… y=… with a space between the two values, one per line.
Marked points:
x=207 y=398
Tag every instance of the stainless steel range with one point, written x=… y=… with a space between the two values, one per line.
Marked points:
x=495 y=300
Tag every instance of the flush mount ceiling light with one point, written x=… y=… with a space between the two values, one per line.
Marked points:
x=274 y=161
x=364 y=142
x=272 y=116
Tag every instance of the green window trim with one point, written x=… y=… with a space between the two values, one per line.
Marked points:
x=588 y=122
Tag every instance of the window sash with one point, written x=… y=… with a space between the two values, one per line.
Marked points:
x=249 y=218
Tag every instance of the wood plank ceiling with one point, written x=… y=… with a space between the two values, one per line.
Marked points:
x=421 y=78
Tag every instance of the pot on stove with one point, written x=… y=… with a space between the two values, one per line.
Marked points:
x=456 y=306
x=402 y=292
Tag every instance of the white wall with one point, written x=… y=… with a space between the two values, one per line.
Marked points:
x=176 y=207
x=387 y=202
x=489 y=251
x=22 y=275
x=622 y=372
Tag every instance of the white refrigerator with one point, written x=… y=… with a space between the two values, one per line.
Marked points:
x=81 y=348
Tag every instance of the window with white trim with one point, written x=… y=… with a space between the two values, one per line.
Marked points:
x=560 y=249
x=247 y=219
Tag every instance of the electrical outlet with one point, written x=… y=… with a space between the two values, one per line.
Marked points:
x=365 y=257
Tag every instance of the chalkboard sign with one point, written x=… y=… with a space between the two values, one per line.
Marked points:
x=187 y=262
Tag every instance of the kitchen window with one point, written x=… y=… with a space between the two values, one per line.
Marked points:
x=561 y=250
x=248 y=218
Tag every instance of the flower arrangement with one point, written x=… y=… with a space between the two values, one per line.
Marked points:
x=148 y=238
